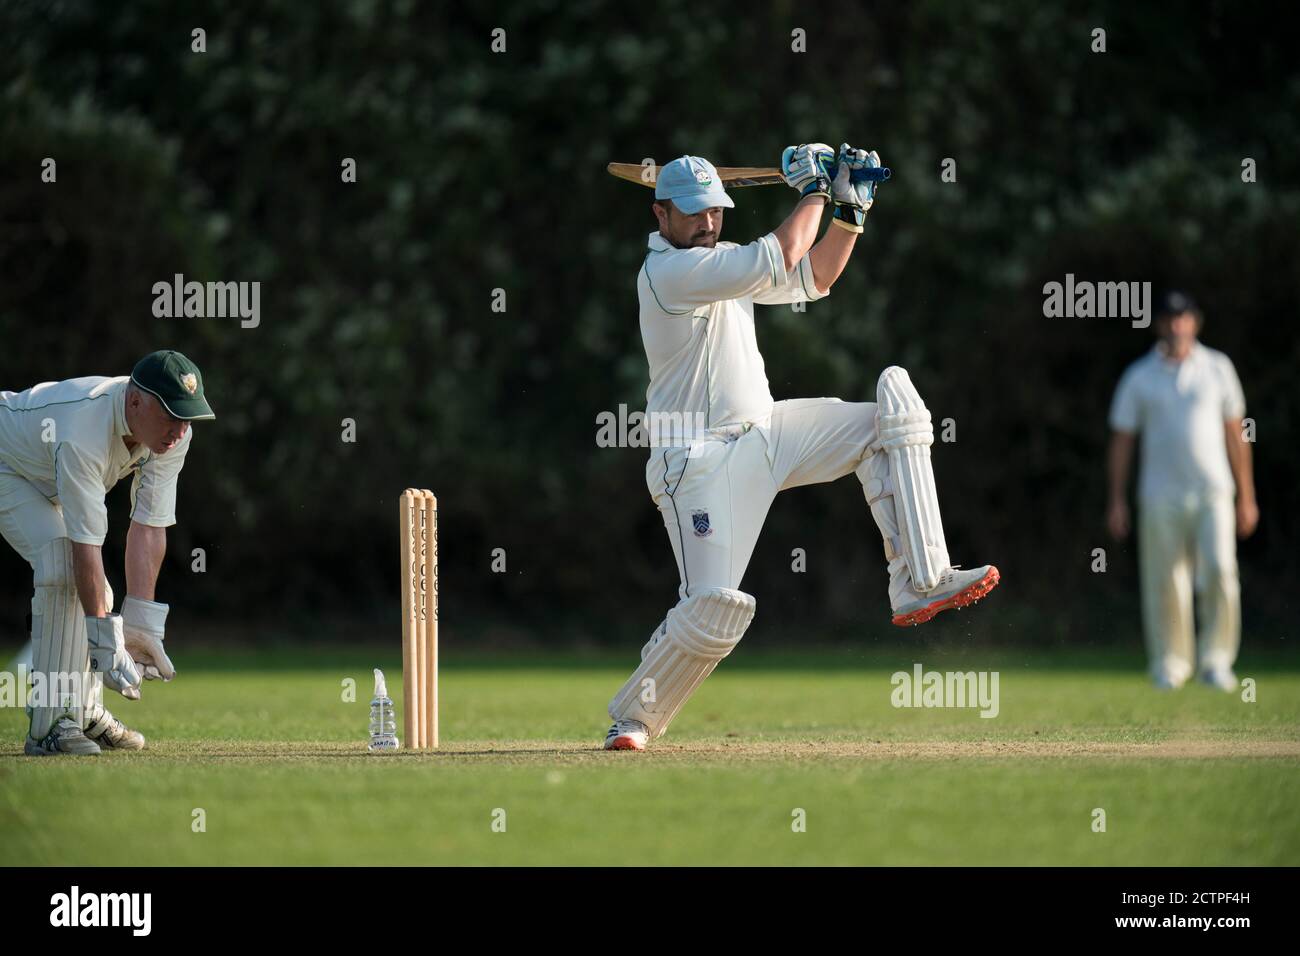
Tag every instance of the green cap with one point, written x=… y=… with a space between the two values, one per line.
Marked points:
x=176 y=382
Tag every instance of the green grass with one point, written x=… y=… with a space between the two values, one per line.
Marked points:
x=264 y=744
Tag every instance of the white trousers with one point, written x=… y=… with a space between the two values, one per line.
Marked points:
x=1185 y=546
x=29 y=522
x=714 y=496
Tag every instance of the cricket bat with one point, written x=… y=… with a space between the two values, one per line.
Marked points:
x=734 y=175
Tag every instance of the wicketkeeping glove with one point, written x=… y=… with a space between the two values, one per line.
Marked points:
x=807 y=169
x=142 y=624
x=852 y=200
x=108 y=655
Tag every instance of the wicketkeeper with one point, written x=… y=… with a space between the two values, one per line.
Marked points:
x=63 y=445
x=715 y=480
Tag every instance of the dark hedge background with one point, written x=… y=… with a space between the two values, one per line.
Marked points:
x=481 y=170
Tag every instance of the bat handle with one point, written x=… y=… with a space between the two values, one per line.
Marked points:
x=873 y=174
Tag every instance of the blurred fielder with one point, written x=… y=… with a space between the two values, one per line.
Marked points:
x=1186 y=401
x=721 y=448
x=63 y=445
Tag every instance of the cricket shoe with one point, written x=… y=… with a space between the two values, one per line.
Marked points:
x=111 y=734
x=65 y=737
x=1170 y=673
x=627 y=734
x=1220 y=679
x=956 y=588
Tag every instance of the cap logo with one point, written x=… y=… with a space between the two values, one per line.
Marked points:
x=703 y=178
x=190 y=382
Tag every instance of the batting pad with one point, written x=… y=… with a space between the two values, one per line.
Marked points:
x=655 y=638
x=906 y=434
x=700 y=631
x=59 y=647
x=878 y=488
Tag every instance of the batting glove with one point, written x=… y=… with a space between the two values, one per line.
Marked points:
x=807 y=169
x=108 y=655
x=852 y=200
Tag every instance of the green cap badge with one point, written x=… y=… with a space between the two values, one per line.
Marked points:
x=176 y=382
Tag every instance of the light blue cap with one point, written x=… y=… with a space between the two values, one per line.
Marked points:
x=692 y=183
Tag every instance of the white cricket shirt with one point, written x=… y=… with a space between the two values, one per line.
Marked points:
x=66 y=439
x=697 y=325
x=1179 y=408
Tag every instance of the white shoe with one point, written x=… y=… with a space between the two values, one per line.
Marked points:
x=627 y=734
x=956 y=588
x=1166 y=681
x=111 y=734
x=1221 y=679
x=65 y=737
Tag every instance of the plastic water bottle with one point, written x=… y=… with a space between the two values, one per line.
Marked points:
x=383 y=724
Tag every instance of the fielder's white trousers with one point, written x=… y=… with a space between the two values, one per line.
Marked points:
x=714 y=496
x=1188 y=545
x=29 y=521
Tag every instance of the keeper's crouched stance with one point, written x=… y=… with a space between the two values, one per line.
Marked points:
x=63 y=445
x=714 y=487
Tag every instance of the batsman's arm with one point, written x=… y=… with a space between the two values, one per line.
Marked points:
x=799 y=231
x=829 y=257
x=88 y=572
x=145 y=548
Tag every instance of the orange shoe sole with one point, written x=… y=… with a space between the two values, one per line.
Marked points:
x=963 y=598
x=624 y=743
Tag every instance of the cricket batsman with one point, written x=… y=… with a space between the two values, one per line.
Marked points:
x=63 y=445
x=715 y=479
